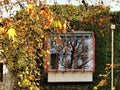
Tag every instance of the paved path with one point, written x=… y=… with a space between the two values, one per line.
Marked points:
x=1 y=85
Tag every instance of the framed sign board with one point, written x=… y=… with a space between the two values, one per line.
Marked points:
x=71 y=58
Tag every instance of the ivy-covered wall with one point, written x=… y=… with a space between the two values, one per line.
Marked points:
x=97 y=19
x=22 y=37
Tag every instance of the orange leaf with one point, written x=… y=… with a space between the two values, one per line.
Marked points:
x=49 y=22
x=65 y=26
x=101 y=83
x=32 y=13
x=44 y=12
x=2 y=29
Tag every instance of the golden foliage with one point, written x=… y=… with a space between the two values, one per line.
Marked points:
x=31 y=25
x=48 y=15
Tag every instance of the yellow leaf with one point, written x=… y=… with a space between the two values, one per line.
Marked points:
x=108 y=64
x=30 y=6
x=100 y=75
x=11 y=32
x=95 y=88
x=1 y=50
x=19 y=84
x=0 y=20
x=26 y=83
x=31 y=88
x=37 y=17
x=58 y=24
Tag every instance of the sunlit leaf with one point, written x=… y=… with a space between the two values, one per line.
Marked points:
x=1 y=50
x=11 y=32
x=95 y=88
x=58 y=24
x=1 y=20
x=30 y=5
x=26 y=83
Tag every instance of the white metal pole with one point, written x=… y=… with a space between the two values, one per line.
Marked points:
x=112 y=57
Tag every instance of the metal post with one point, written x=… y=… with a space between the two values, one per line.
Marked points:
x=112 y=56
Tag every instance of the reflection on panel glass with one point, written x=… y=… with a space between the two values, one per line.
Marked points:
x=72 y=52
